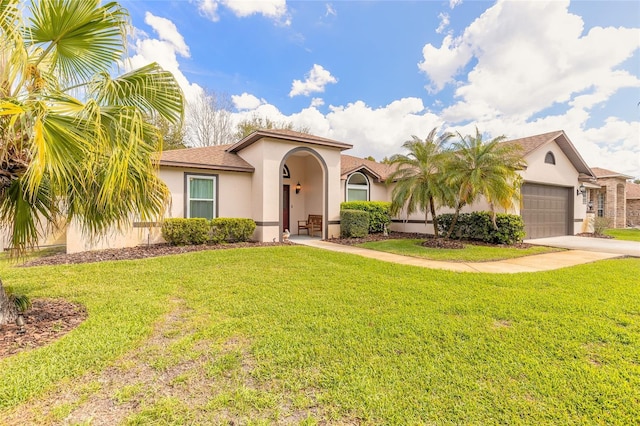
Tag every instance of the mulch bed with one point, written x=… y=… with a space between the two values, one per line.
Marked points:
x=592 y=235
x=46 y=321
x=429 y=241
x=129 y=253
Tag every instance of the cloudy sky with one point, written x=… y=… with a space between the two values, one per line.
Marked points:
x=373 y=73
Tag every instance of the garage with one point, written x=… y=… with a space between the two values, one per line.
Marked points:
x=545 y=210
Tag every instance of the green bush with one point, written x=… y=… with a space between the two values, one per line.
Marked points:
x=179 y=232
x=227 y=229
x=379 y=216
x=478 y=226
x=354 y=223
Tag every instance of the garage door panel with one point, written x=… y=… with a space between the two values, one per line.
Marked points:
x=545 y=210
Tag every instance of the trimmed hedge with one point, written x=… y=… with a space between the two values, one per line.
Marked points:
x=478 y=226
x=379 y=216
x=196 y=231
x=232 y=229
x=180 y=232
x=354 y=223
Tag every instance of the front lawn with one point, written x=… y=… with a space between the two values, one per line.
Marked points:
x=470 y=252
x=624 y=234
x=303 y=336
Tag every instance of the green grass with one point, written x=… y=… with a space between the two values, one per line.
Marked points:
x=624 y=234
x=470 y=252
x=300 y=335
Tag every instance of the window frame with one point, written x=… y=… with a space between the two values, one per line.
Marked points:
x=600 y=206
x=360 y=187
x=551 y=157
x=187 y=192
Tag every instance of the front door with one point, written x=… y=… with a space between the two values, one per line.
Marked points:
x=285 y=207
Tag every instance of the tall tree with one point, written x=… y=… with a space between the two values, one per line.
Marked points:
x=170 y=135
x=74 y=141
x=488 y=169
x=250 y=125
x=209 y=120
x=418 y=177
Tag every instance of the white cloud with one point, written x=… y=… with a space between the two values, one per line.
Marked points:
x=315 y=82
x=316 y=102
x=163 y=50
x=454 y=3
x=246 y=101
x=444 y=22
x=209 y=9
x=330 y=10
x=167 y=31
x=274 y=9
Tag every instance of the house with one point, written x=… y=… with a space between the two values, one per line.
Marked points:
x=280 y=177
x=615 y=198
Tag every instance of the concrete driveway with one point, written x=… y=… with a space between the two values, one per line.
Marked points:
x=603 y=245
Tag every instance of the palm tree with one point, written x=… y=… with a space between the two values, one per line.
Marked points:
x=418 y=177
x=74 y=142
x=487 y=169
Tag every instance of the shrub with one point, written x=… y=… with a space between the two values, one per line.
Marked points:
x=379 y=216
x=227 y=229
x=478 y=226
x=354 y=223
x=180 y=231
x=600 y=224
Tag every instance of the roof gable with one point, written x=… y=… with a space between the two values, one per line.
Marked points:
x=287 y=135
x=350 y=164
x=536 y=142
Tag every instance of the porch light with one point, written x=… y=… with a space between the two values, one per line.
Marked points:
x=298 y=187
x=581 y=190
x=590 y=206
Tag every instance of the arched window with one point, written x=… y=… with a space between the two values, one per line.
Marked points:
x=285 y=172
x=357 y=187
x=550 y=158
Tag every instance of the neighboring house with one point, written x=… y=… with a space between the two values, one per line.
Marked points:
x=280 y=177
x=615 y=198
x=633 y=204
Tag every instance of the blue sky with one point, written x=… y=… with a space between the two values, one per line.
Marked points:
x=373 y=73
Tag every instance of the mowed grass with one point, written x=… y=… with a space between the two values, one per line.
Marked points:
x=624 y=234
x=470 y=252
x=300 y=335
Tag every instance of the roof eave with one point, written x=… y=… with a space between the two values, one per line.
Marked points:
x=189 y=165
x=260 y=134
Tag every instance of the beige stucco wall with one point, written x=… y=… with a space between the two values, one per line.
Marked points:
x=267 y=155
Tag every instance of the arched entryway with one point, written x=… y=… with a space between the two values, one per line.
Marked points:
x=305 y=191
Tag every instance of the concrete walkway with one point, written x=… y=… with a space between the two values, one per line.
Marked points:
x=536 y=263
x=605 y=245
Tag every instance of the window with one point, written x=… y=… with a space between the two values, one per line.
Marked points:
x=600 y=204
x=357 y=187
x=201 y=200
x=285 y=172
x=550 y=158
x=584 y=196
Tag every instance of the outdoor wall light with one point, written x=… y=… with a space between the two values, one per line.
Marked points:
x=590 y=206
x=298 y=187
x=581 y=190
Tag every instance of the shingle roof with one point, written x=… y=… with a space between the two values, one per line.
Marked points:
x=210 y=157
x=350 y=164
x=288 y=135
x=632 y=191
x=532 y=143
x=602 y=173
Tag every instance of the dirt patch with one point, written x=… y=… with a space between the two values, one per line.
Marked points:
x=442 y=243
x=46 y=321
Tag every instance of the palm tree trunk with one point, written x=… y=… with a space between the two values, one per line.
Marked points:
x=8 y=310
x=454 y=221
x=432 y=206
